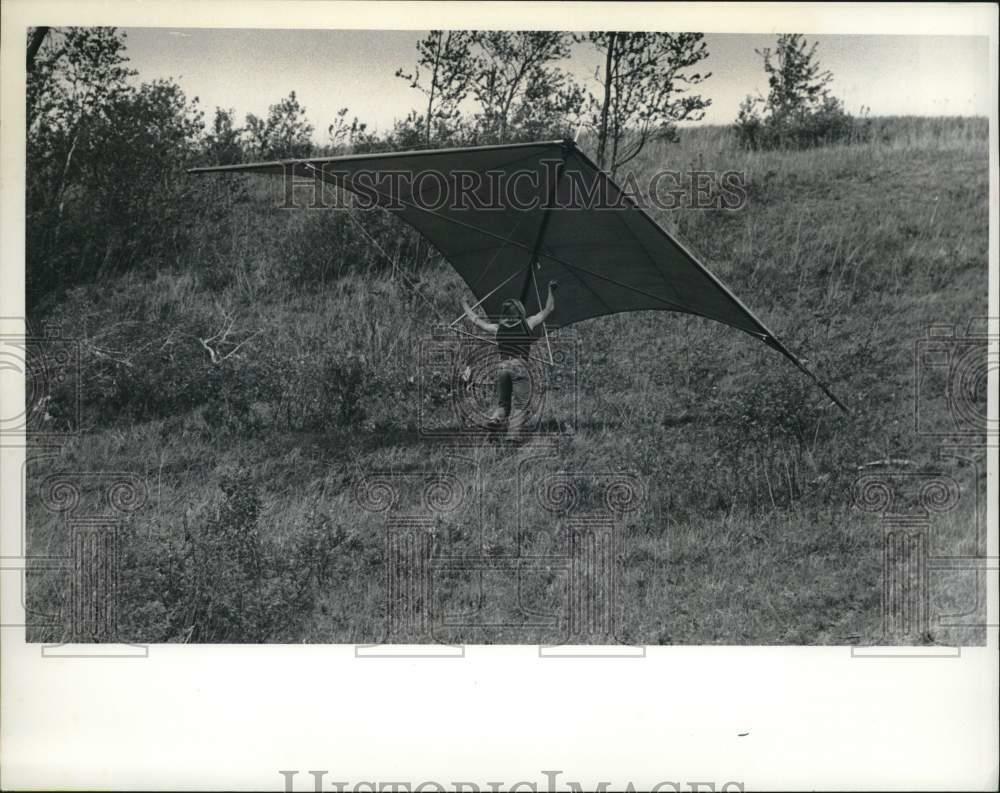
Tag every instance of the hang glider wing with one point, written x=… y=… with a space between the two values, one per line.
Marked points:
x=511 y=218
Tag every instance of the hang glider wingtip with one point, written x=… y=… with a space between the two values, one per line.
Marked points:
x=772 y=341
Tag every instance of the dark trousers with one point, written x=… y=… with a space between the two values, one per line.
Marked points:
x=505 y=390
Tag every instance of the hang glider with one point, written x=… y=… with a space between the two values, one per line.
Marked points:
x=510 y=218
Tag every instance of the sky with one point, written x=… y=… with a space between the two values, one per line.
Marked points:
x=248 y=70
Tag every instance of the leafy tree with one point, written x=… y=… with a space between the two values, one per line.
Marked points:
x=284 y=134
x=794 y=77
x=643 y=79
x=551 y=107
x=445 y=57
x=134 y=171
x=222 y=143
x=799 y=110
x=103 y=160
x=35 y=38
x=352 y=137
x=509 y=75
x=77 y=76
x=513 y=77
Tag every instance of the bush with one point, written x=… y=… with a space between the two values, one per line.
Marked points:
x=330 y=243
x=226 y=581
x=780 y=439
x=137 y=371
x=105 y=159
x=317 y=390
x=803 y=128
x=799 y=112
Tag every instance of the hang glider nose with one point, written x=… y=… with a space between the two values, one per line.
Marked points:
x=508 y=215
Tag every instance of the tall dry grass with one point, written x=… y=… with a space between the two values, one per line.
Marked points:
x=748 y=535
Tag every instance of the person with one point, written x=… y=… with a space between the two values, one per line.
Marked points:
x=513 y=334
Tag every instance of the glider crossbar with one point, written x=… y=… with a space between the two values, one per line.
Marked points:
x=478 y=302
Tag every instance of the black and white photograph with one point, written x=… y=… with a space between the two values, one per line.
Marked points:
x=595 y=340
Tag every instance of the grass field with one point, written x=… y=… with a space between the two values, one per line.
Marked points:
x=748 y=531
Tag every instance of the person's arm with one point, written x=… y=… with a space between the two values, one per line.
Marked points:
x=550 y=306
x=470 y=315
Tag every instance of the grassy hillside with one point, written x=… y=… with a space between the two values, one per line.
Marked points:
x=748 y=532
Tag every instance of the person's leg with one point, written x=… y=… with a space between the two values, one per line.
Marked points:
x=505 y=390
x=523 y=386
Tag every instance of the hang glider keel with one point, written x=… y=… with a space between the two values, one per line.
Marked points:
x=546 y=214
x=610 y=258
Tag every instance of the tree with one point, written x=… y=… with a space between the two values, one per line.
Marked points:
x=644 y=85
x=105 y=160
x=513 y=75
x=35 y=38
x=353 y=137
x=133 y=172
x=795 y=80
x=798 y=110
x=445 y=58
x=551 y=107
x=284 y=134
x=222 y=144
x=76 y=76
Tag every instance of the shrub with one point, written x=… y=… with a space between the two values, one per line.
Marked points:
x=799 y=111
x=803 y=128
x=226 y=581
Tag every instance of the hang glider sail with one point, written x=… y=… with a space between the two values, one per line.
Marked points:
x=511 y=218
